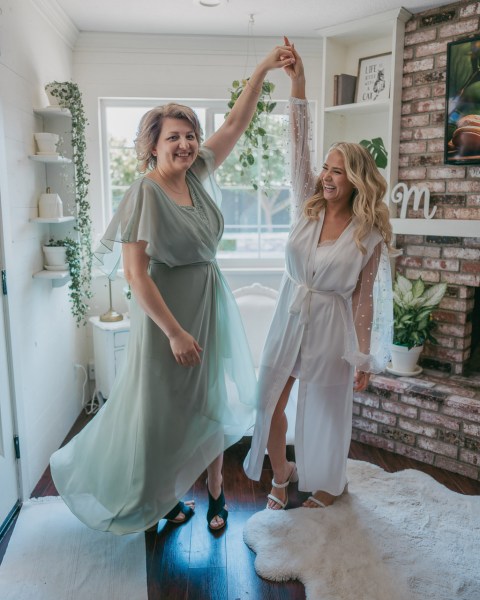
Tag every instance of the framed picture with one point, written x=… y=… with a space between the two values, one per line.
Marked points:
x=374 y=77
x=462 y=102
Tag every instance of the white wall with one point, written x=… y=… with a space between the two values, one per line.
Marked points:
x=45 y=340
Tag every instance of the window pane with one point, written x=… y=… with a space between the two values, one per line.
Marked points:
x=256 y=221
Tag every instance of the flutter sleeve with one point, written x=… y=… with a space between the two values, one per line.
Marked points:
x=133 y=221
x=369 y=344
x=302 y=173
x=139 y=216
x=203 y=169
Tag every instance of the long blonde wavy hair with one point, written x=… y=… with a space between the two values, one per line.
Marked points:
x=367 y=199
x=150 y=127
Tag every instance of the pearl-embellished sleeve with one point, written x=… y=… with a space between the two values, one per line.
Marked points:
x=372 y=308
x=303 y=175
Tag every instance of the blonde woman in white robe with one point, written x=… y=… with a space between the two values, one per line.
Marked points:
x=333 y=320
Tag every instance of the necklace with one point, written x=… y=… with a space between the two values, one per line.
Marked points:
x=164 y=180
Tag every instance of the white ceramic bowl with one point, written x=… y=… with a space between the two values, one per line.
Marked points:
x=47 y=142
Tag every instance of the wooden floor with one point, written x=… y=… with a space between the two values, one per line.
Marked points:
x=190 y=562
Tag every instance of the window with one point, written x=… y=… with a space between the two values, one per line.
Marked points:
x=256 y=222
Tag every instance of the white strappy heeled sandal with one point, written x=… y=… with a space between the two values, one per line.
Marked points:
x=321 y=504
x=293 y=478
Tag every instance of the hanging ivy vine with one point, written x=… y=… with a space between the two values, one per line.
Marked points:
x=69 y=96
x=255 y=138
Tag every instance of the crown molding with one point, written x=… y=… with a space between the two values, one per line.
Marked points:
x=134 y=43
x=58 y=20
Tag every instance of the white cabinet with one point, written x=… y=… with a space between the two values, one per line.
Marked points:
x=59 y=176
x=343 y=46
x=109 y=344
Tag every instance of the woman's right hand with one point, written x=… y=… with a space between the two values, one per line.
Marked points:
x=295 y=70
x=186 y=349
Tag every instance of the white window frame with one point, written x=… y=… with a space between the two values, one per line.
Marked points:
x=213 y=106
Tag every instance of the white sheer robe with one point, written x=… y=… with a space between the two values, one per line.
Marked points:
x=336 y=312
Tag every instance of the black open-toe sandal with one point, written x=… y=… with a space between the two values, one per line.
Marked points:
x=216 y=508
x=180 y=507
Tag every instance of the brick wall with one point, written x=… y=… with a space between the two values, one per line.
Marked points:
x=434 y=418
x=455 y=190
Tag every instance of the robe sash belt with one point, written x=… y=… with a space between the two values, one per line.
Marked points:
x=301 y=301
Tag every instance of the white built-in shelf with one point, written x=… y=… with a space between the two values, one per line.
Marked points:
x=360 y=108
x=46 y=158
x=52 y=219
x=344 y=46
x=57 y=278
x=52 y=111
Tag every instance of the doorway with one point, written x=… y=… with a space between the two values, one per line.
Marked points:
x=9 y=477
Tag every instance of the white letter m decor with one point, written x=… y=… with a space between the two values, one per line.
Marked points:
x=401 y=193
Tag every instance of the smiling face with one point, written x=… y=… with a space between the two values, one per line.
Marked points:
x=336 y=186
x=177 y=146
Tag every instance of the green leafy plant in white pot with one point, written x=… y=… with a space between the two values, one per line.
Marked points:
x=69 y=258
x=67 y=95
x=413 y=304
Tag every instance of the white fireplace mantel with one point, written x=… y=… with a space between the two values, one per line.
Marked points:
x=440 y=227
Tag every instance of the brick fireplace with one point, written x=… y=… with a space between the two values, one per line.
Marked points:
x=456 y=261
x=435 y=418
x=454 y=189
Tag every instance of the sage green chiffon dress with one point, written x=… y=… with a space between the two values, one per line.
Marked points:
x=163 y=424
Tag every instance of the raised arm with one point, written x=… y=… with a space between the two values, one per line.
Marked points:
x=303 y=177
x=225 y=138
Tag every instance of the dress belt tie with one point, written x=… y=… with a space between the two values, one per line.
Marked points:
x=199 y=263
x=302 y=294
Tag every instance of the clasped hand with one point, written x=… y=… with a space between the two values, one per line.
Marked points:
x=360 y=381
x=186 y=349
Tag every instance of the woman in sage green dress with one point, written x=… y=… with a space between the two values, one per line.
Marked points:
x=187 y=388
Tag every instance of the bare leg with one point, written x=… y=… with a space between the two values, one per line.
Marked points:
x=277 y=445
x=214 y=482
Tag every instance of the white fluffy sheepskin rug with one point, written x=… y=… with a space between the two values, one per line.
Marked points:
x=400 y=536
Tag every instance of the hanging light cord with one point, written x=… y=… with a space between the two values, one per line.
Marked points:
x=250 y=39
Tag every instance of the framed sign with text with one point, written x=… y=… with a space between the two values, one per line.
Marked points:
x=374 y=76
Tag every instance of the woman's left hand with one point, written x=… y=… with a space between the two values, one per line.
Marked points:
x=360 y=381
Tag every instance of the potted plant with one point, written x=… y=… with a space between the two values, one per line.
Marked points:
x=70 y=252
x=413 y=304
x=55 y=254
x=67 y=95
x=377 y=149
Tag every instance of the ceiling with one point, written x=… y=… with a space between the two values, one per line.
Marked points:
x=295 y=18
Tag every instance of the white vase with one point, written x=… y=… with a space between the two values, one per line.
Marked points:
x=405 y=360
x=55 y=256
x=50 y=206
